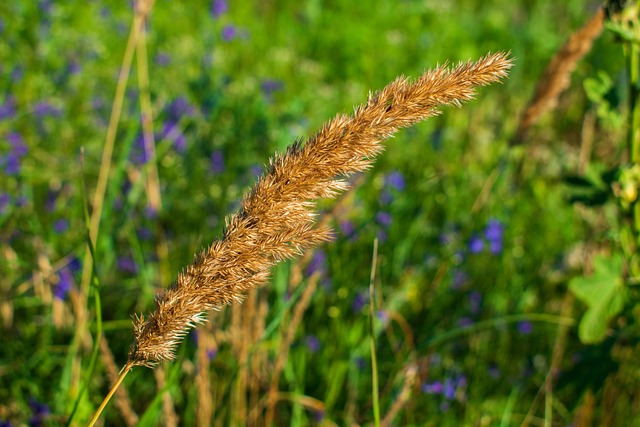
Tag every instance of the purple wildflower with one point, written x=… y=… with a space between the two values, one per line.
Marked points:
x=212 y=353
x=494 y=230
x=525 y=327
x=44 y=108
x=384 y=219
x=386 y=197
x=61 y=225
x=465 y=322
x=360 y=301
x=150 y=212
x=18 y=147
x=144 y=233
x=172 y=132
x=194 y=336
x=476 y=244
x=383 y=316
x=269 y=86
x=348 y=228
x=432 y=388
x=73 y=67
x=178 y=108
x=163 y=59
x=449 y=389
x=11 y=164
x=5 y=200
x=74 y=265
x=8 y=108
x=256 y=171
x=45 y=6
x=459 y=279
x=218 y=8
x=495 y=246
x=40 y=411
x=461 y=381
x=229 y=32
x=65 y=283
x=312 y=342
x=17 y=73
x=395 y=180
x=318 y=416
x=217 y=162
x=317 y=263
x=139 y=154
x=127 y=264
x=50 y=203
x=180 y=144
x=494 y=233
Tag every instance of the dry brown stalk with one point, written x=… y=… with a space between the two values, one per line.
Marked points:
x=169 y=416
x=285 y=345
x=557 y=75
x=204 y=412
x=410 y=376
x=276 y=220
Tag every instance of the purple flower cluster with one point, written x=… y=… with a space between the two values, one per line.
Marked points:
x=171 y=130
x=318 y=264
x=217 y=162
x=231 y=32
x=394 y=182
x=271 y=86
x=219 y=8
x=11 y=162
x=8 y=108
x=450 y=388
x=127 y=264
x=65 y=279
x=491 y=238
x=40 y=413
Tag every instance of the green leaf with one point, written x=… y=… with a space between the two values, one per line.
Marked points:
x=604 y=294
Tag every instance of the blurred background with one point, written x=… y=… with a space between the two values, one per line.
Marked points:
x=489 y=237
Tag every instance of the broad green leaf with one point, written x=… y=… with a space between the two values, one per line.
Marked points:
x=604 y=294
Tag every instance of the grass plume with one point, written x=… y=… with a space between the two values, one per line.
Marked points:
x=557 y=75
x=276 y=220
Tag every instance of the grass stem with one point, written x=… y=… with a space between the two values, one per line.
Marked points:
x=123 y=374
x=372 y=340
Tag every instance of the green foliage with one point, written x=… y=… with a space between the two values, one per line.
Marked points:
x=479 y=242
x=604 y=293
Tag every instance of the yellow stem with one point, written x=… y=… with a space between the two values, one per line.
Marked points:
x=107 y=398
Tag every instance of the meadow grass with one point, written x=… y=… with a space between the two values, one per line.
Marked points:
x=473 y=321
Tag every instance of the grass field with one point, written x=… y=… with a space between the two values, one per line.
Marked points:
x=505 y=272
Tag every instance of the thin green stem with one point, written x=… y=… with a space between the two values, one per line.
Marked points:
x=372 y=340
x=103 y=176
x=97 y=302
x=492 y=323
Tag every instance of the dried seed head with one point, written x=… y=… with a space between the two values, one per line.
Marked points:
x=276 y=219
